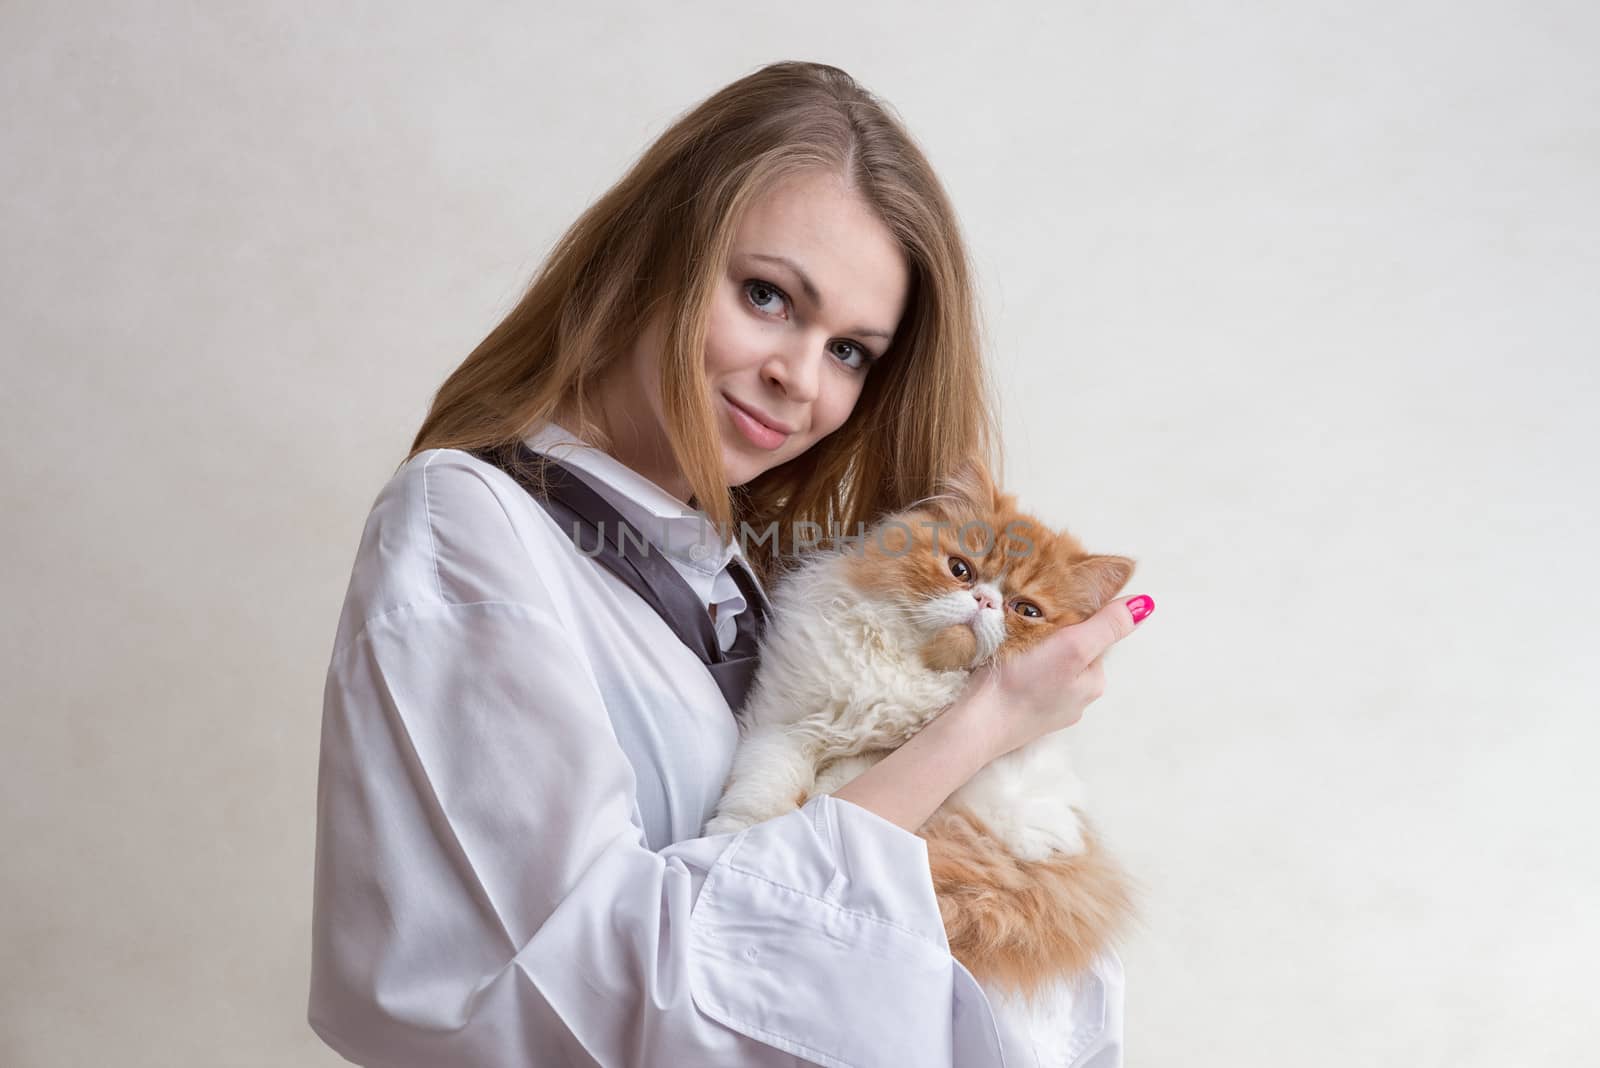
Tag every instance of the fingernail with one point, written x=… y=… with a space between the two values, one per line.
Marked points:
x=1141 y=606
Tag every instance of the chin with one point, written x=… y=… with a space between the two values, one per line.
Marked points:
x=739 y=467
x=743 y=464
x=952 y=648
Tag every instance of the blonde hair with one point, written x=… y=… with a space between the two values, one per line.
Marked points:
x=659 y=240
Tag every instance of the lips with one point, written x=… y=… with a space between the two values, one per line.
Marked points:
x=755 y=427
x=761 y=417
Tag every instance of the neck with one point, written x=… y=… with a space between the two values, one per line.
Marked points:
x=634 y=436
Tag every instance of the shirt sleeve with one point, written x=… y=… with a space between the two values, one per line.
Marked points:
x=484 y=894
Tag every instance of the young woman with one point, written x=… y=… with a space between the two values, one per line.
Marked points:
x=769 y=318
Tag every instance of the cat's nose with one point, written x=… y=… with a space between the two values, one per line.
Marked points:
x=985 y=598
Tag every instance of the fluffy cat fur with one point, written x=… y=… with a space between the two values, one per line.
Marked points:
x=870 y=641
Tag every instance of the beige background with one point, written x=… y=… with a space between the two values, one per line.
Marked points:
x=1296 y=303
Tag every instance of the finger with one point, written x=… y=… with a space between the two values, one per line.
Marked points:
x=1107 y=627
x=1092 y=682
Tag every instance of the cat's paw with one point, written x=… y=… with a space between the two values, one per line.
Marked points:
x=1034 y=843
x=725 y=823
x=836 y=774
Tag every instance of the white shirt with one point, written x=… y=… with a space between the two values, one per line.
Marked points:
x=517 y=757
x=686 y=538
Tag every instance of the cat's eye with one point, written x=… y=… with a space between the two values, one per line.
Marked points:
x=1027 y=608
x=960 y=569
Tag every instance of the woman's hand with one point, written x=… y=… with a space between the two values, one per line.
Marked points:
x=1048 y=687
x=1043 y=690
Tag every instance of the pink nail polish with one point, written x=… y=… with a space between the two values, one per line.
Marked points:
x=1141 y=606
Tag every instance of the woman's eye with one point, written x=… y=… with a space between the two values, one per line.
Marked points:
x=853 y=352
x=766 y=297
x=1027 y=608
x=960 y=569
x=760 y=294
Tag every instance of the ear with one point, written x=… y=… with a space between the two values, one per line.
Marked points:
x=970 y=482
x=1106 y=575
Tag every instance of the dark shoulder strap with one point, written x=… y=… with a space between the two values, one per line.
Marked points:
x=599 y=532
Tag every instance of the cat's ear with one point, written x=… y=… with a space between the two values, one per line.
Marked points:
x=1106 y=575
x=970 y=482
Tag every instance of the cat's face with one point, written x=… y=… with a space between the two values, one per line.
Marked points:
x=974 y=578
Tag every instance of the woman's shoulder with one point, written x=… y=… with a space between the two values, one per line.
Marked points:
x=448 y=529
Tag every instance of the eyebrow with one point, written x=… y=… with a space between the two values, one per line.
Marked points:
x=811 y=290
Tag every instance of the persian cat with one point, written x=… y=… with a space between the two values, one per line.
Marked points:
x=867 y=644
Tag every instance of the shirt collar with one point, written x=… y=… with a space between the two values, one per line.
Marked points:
x=686 y=536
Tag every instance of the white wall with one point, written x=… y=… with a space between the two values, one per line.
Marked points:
x=1295 y=303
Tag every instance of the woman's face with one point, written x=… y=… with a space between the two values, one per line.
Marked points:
x=814 y=290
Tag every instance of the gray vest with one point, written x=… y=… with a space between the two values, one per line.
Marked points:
x=597 y=529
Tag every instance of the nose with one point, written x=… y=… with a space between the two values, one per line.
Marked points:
x=985 y=598
x=795 y=370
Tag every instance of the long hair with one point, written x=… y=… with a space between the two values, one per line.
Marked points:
x=658 y=241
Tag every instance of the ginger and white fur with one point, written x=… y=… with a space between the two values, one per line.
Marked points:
x=864 y=649
x=842 y=683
